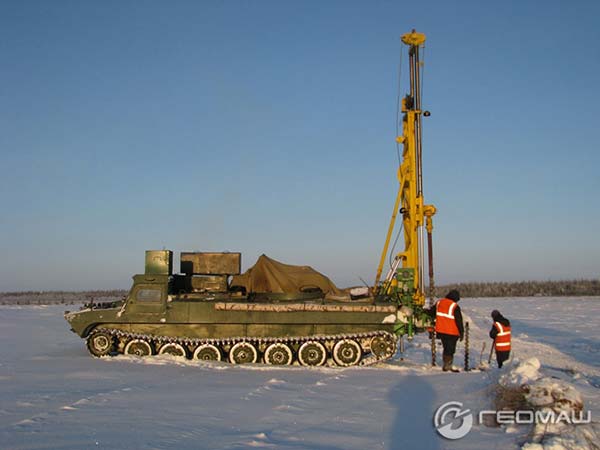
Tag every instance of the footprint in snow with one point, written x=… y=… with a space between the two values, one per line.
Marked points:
x=259 y=444
x=260 y=440
x=25 y=422
x=68 y=408
x=262 y=436
x=36 y=420
x=290 y=408
x=24 y=404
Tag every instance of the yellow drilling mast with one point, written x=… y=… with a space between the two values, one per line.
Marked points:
x=416 y=216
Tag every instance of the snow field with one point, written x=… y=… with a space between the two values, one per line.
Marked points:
x=54 y=395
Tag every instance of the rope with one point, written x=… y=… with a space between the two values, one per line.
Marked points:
x=467 y=347
x=398 y=108
x=394 y=245
x=422 y=62
x=433 y=351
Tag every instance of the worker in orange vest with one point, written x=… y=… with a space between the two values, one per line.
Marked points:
x=449 y=326
x=500 y=333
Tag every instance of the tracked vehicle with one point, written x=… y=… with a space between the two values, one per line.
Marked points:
x=208 y=313
x=277 y=313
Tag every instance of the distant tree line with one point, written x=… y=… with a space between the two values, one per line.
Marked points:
x=524 y=288
x=469 y=289
x=59 y=297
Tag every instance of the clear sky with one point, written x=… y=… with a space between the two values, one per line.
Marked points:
x=269 y=126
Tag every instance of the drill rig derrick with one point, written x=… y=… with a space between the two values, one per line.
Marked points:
x=405 y=280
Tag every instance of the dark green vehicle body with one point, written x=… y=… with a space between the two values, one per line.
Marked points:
x=151 y=309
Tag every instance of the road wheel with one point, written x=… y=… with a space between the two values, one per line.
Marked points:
x=138 y=347
x=278 y=354
x=100 y=343
x=207 y=352
x=347 y=353
x=312 y=353
x=243 y=353
x=172 y=348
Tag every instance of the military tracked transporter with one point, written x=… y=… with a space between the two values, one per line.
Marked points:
x=277 y=313
x=274 y=313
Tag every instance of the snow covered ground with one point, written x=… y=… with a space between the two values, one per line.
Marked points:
x=54 y=395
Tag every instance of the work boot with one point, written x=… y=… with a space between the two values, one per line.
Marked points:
x=448 y=367
x=447 y=363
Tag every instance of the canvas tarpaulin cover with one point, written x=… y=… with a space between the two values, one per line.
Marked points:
x=271 y=276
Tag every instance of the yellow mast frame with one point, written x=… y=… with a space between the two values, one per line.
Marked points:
x=409 y=200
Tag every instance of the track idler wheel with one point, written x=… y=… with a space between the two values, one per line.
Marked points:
x=100 y=343
x=383 y=346
x=347 y=353
x=138 y=347
x=243 y=353
x=312 y=353
x=207 y=352
x=278 y=354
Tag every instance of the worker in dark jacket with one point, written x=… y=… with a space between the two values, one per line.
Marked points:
x=500 y=333
x=449 y=326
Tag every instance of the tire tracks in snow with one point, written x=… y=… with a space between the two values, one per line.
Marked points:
x=101 y=397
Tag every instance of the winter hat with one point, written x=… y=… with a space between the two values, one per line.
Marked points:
x=496 y=314
x=453 y=295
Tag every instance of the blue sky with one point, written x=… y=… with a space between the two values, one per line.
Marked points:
x=269 y=126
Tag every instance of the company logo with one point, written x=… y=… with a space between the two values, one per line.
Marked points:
x=451 y=421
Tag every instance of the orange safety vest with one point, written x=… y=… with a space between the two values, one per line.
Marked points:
x=444 y=317
x=502 y=338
